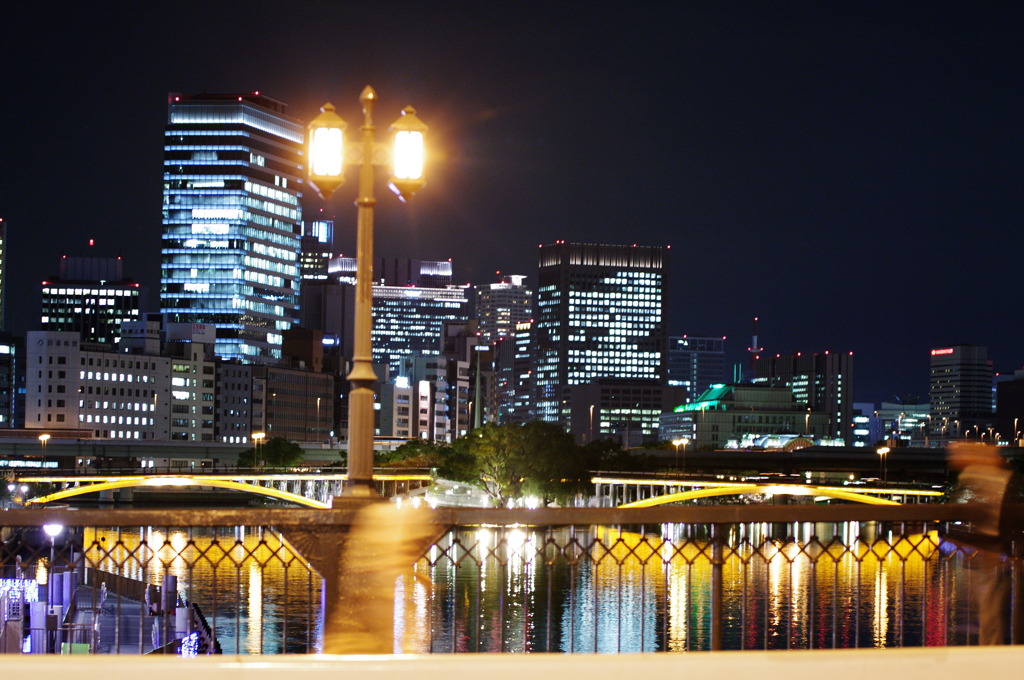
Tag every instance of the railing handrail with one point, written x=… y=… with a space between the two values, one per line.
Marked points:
x=465 y=516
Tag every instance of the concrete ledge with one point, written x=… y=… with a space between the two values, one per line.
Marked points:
x=847 y=664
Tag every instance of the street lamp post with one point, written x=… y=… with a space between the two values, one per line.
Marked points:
x=682 y=441
x=883 y=451
x=53 y=531
x=328 y=156
x=318 y=435
x=257 y=439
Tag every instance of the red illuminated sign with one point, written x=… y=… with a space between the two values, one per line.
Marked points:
x=940 y=352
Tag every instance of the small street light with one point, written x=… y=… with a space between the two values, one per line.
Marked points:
x=53 y=531
x=257 y=439
x=882 y=452
x=328 y=153
x=682 y=441
x=43 y=438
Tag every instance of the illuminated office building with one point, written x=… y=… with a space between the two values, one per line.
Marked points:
x=231 y=220
x=112 y=394
x=513 y=374
x=12 y=381
x=412 y=300
x=600 y=318
x=961 y=391
x=317 y=249
x=500 y=306
x=90 y=296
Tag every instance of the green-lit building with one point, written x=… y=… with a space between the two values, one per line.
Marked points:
x=743 y=416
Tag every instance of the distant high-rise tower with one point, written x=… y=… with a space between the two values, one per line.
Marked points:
x=600 y=318
x=90 y=296
x=500 y=306
x=412 y=300
x=232 y=220
x=823 y=382
x=696 y=363
x=317 y=249
x=961 y=391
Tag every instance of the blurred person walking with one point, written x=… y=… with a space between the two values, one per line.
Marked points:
x=986 y=481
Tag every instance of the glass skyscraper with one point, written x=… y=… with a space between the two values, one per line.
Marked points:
x=232 y=220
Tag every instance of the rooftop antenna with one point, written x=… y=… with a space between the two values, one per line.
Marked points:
x=754 y=349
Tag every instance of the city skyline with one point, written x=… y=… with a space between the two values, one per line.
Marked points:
x=849 y=175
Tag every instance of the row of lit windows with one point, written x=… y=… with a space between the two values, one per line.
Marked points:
x=117 y=292
x=118 y=377
x=275 y=194
x=117 y=405
x=116 y=420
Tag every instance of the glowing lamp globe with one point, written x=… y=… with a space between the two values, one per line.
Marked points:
x=327 y=151
x=53 y=530
x=408 y=155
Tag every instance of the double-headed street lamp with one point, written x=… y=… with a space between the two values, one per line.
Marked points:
x=328 y=155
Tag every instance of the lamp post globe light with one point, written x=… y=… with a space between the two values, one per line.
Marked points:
x=328 y=155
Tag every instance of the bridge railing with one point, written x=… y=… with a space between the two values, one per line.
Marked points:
x=490 y=580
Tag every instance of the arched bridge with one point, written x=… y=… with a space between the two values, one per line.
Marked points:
x=308 y=489
x=627 y=492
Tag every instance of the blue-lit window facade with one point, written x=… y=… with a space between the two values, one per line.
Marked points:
x=231 y=220
x=600 y=314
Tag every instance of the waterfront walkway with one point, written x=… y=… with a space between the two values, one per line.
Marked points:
x=116 y=621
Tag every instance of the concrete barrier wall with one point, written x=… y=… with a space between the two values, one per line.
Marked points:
x=934 y=663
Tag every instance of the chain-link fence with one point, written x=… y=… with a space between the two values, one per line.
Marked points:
x=597 y=580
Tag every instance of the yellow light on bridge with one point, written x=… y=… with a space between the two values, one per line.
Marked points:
x=168 y=481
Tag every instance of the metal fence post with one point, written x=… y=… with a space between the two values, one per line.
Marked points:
x=1016 y=584
x=717 y=560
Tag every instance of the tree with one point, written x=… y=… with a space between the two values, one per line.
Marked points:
x=559 y=469
x=413 y=453
x=276 y=452
x=514 y=460
x=500 y=460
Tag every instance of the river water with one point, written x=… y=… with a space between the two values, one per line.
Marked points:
x=580 y=589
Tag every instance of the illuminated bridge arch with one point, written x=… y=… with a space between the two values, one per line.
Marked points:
x=743 y=489
x=150 y=482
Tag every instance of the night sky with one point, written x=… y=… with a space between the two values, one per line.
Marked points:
x=851 y=173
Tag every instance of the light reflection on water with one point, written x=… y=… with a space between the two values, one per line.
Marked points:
x=632 y=592
x=591 y=589
x=256 y=593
